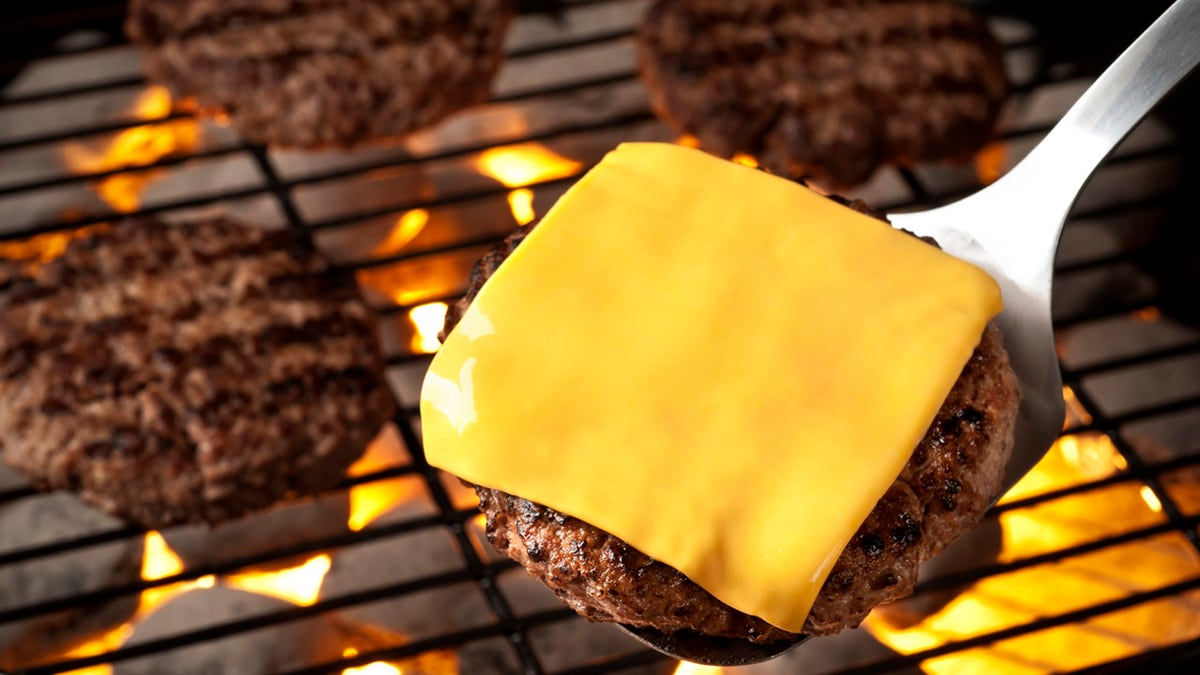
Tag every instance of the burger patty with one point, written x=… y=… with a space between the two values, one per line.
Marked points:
x=954 y=474
x=191 y=373
x=314 y=73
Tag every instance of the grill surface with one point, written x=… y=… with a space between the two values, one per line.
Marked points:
x=1119 y=498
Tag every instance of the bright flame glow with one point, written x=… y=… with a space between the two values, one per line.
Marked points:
x=989 y=162
x=745 y=160
x=1076 y=413
x=134 y=147
x=688 y=141
x=407 y=226
x=1151 y=499
x=372 y=499
x=43 y=248
x=520 y=201
x=159 y=562
x=688 y=668
x=300 y=585
x=517 y=166
x=427 y=319
x=377 y=668
x=1017 y=597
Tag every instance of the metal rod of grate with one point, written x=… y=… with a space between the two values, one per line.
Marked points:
x=506 y=623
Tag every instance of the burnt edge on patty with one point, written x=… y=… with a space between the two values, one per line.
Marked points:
x=191 y=373
x=824 y=88
x=313 y=73
x=951 y=479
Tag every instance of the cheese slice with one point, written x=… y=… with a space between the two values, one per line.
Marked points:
x=719 y=366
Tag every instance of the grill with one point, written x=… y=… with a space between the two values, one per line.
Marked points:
x=1092 y=564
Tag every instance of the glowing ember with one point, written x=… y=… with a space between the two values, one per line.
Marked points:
x=139 y=146
x=407 y=226
x=298 y=585
x=686 y=668
x=521 y=203
x=517 y=166
x=427 y=319
x=688 y=141
x=989 y=162
x=1148 y=315
x=745 y=160
x=1017 y=597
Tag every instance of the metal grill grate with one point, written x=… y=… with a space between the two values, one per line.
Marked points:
x=1102 y=550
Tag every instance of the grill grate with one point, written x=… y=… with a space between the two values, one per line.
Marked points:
x=1130 y=367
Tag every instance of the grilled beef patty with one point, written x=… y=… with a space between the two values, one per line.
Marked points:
x=174 y=374
x=950 y=480
x=314 y=72
x=827 y=88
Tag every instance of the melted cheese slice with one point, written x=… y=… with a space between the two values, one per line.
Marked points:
x=720 y=367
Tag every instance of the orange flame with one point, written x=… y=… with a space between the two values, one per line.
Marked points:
x=745 y=160
x=1018 y=597
x=427 y=319
x=138 y=146
x=300 y=585
x=517 y=166
x=989 y=162
x=407 y=226
x=688 y=668
x=43 y=248
x=372 y=499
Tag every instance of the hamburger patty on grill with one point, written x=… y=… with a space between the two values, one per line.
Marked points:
x=189 y=373
x=950 y=480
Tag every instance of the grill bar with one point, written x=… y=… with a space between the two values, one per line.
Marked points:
x=916 y=189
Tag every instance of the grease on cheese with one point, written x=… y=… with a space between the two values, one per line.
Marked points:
x=720 y=367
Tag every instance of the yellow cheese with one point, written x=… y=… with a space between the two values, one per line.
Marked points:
x=720 y=367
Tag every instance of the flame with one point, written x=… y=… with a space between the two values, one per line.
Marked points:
x=745 y=160
x=376 y=668
x=520 y=201
x=1076 y=413
x=989 y=162
x=688 y=668
x=407 y=226
x=688 y=141
x=134 y=147
x=158 y=562
x=43 y=248
x=1020 y=596
x=372 y=499
x=300 y=585
x=517 y=166
x=428 y=320
x=1151 y=499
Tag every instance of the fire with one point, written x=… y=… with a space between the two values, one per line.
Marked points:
x=407 y=226
x=427 y=319
x=745 y=160
x=138 y=146
x=517 y=166
x=688 y=668
x=1076 y=413
x=989 y=162
x=300 y=585
x=372 y=499
x=376 y=668
x=43 y=248
x=1023 y=595
x=158 y=562
x=520 y=201
x=688 y=141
